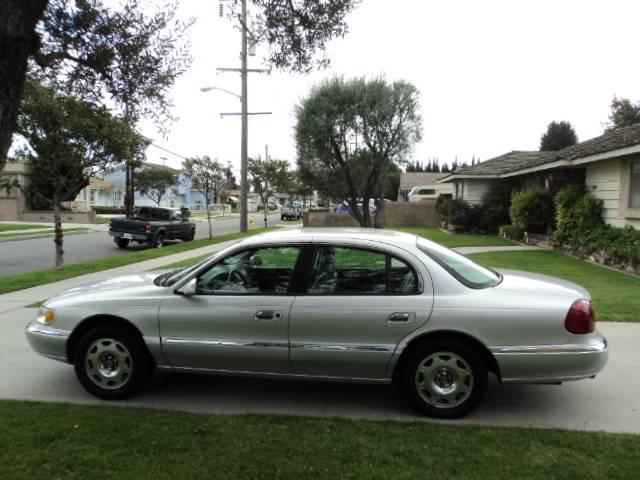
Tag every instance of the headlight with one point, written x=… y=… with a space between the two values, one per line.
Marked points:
x=46 y=316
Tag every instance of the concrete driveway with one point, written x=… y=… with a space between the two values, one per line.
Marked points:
x=611 y=402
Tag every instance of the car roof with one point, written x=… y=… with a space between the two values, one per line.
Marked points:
x=328 y=234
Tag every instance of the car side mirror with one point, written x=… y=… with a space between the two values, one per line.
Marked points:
x=188 y=289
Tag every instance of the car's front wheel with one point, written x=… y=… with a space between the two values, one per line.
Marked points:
x=445 y=378
x=112 y=362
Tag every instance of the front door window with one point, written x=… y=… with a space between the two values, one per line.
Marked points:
x=259 y=271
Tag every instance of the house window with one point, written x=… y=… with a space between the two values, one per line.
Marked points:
x=117 y=197
x=634 y=185
x=92 y=196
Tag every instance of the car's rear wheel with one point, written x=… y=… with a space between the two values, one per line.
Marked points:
x=112 y=362
x=159 y=241
x=122 y=242
x=445 y=378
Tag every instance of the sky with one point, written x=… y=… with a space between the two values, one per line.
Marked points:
x=492 y=75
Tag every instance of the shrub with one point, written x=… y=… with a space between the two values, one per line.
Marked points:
x=108 y=210
x=533 y=210
x=495 y=206
x=443 y=205
x=513 y=232
x=577 y=214
x=464 y=215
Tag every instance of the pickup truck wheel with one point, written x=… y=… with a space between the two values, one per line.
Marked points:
x=112 y=362
x=159 y=241
x=122 y=242
x=191 y=236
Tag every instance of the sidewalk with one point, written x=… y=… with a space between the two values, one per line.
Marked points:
x=22 y=298
x=514 y=248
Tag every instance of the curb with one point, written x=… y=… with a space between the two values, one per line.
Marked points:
x=44 y=235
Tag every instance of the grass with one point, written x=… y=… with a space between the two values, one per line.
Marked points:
x=102 y=220
x=47 y=440
x=616 y=296
x=458 y=239
x=42 y=232
x=4 y=227
x=42 y=277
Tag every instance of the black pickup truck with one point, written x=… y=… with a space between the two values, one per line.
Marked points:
x=152 y=225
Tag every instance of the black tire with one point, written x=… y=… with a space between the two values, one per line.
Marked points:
x=135 y=364
x=191 y=236
x=158 y=241
x=282 y=217
x=452 y=390
x=122 y=242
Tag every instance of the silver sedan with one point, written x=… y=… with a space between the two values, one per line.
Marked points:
x=329 y=304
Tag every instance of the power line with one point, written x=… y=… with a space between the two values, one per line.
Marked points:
x=169 y=151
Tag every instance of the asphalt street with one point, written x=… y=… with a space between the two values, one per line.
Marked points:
x=611 y=402
x=28 y=255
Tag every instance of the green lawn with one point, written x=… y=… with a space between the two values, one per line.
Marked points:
x=42 y=232
x=49 y=441
x=616 y=296
x=102 y=220
x=458 y=239
x=5 y=227
x=41 y=277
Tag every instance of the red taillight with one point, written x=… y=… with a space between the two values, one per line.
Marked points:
x=147 y=228
x=581 y=317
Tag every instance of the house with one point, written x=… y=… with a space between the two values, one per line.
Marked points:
x=408 y=180
x=14 y=202
x=609 y=166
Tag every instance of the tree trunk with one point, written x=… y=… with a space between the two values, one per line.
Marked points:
x=127 y=194
x=378 y=220
x=355 y=212
x=209 y=219
x=366 y=214
x=18 y=40
x=58 y=238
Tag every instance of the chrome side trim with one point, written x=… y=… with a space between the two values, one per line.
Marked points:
x=302 y=346
x=342 y=348
x=222 y=343
x=551 y=349
x=47 y=331
x=284 y=376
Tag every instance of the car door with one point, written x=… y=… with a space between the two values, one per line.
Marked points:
x=238 y=318
x=359 y=303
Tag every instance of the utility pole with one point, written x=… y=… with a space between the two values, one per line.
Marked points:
x=244 y=226
x=266 y=184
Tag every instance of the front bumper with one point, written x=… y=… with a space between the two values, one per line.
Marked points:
x=551 y=363
x=48 y=341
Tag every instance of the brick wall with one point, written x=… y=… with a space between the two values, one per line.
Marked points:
x=405 y=214
x=67 y=217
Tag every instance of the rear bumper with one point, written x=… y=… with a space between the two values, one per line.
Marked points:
x=47 y=341
x=551 y=363
x=130 y=236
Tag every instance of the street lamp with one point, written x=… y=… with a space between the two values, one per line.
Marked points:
x=208 y=89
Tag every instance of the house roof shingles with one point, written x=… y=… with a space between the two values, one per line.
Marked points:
x=408 y=180
x=517 y=160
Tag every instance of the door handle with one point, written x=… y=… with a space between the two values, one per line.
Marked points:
x=267 y=315
x=399 y=317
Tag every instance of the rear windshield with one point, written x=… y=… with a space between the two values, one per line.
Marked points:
x=462 y=268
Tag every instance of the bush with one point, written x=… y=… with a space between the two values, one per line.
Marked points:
x=495 y=206
x=464 y=215
x=577 y=214
x=534 y=211
x=513 y=232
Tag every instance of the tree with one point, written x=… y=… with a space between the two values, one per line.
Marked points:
x=297 y=31
x=154 y=181
x=69 y=141
x=382 y=116
x=127 y=57
x=623 y=113
x=266 y=177
x=559 y=135
x=208 y=177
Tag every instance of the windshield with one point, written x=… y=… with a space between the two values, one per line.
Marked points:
x=170 y=278
x=462 y=268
